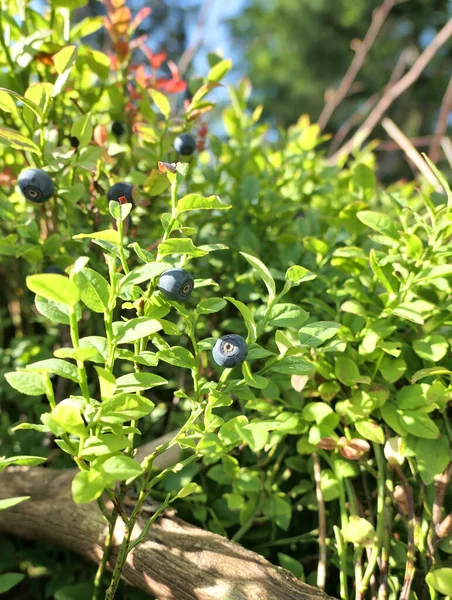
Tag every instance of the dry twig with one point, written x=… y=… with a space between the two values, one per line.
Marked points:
x=441 y=125
x=378 y=18
x=370 y=103
x=321 y=569
x=395 y=91
x=412 y=154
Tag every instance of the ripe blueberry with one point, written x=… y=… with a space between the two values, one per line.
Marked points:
x=176 y=284
x=185 y=144
x=230 y=350
x=74 y=141
x=119 y=190
x=54 y=269
x=117 y=129
x=36 y=185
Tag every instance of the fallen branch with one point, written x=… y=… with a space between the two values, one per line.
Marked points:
x=176 y=561
x=378 y=18
x=395 y=91
x=441 y=125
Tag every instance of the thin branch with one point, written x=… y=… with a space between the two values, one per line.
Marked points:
x=412 y=154
x=395 y=91
x=411 y=550
x=190 y=52
x=378 y=18
x=321 y=569
x=446 y=145
x=441 y=125
x=369 y=104
x=417 y=142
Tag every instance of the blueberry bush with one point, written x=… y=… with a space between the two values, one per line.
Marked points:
x=287 y=319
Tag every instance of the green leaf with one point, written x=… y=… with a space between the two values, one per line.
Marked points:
x=442 y=180
x=67 y=415
x=107 y=443
x=315 y=334
x=432 y=273
x=253 y=380
x=197 y=202
x=94 y=290
x=392 y=369
x=55 y=311
x=432 y=457
x=441 y=580
x=63 y=61
x=380 y=222
x=188 y=489
x=107 y=383
x=383 y=275
x=210 y=306
x=176 y=246
x=359 y=531
x=316 y=411
x=279 y=509
x=432 y=347
x=16 y=140
x=346 y=371
x=22 y=461
x=57 y=288
x=40 y=428
x=218 y=71
x=293 y=365
x=370 y=431
x=264 y=273
x=62 y=368
x=8 y=503
x=137 y=329
x=254 y=434
x=82 y=129
x=161 y=101
x=292 y=565
x=87 y=486
x=120 y=468
x=136 y=382
x=107 y=235
x=419 y=424
x=177 y=356
x=287 y=315
x=9 y=580
x=430 y=373
x=296 y=275
x=25 y=382
x=144 y=273
x=126 y=407
x=247 y=317
x=29 y=103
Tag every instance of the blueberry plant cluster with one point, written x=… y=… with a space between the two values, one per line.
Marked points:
x=309 y=389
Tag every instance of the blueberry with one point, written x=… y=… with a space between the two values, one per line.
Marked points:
x=230 y=350
x=54 y=269
x=36 y=185
x=185 y=144
x=120 y=190
x=74 y=141
x=117 y=129
x=176 y=284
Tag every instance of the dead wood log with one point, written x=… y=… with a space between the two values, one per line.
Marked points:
x=176 y=561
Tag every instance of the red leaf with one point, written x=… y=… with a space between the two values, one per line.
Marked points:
x=140 y=17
